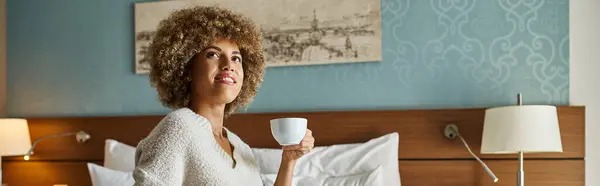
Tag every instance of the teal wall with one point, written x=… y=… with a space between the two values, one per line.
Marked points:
x=75 y=57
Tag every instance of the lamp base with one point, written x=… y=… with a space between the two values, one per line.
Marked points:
x=521 y=173
x=1 y=183
x=520 y=178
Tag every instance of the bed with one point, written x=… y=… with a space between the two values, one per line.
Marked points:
x=425 y=156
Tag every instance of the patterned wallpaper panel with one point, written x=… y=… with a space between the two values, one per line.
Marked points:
x=436 y=54
x=439 y=54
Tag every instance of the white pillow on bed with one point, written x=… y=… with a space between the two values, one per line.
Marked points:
x=102 y=176
x=341 y=160
x=337 y=161
x=119 y=156
x=371 y=178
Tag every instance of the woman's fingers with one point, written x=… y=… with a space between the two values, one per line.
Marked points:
x=308 y=140
x=293 y=147
x=299 y=154
x=297 y=151
x=307 y=149
x=300 y=147
x=307 y=144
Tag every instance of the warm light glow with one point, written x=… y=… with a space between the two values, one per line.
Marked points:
x=26 y=157
x=495 y=180
x=14 y=137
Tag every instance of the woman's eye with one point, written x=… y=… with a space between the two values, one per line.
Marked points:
x=236 y=59
x=212 y=55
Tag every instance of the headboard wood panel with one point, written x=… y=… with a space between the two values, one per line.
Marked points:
x=466 y=172
x=46 y=173
x=413 y=173
x=420 y=132
x=423 y=150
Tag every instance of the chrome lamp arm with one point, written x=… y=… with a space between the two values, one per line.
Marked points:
x=81 y=137
x=451 y=132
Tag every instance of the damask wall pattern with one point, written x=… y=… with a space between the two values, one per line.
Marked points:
x=440 y=54
x=435 y=54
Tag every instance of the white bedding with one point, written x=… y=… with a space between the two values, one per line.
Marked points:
x=341 y=160
x=371 y=163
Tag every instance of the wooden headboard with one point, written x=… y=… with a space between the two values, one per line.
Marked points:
x=426 y=157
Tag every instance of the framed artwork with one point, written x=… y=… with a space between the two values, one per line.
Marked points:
x=294 y=32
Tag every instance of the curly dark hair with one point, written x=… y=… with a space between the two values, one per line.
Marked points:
x=187 y=32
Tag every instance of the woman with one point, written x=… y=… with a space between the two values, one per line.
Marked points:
x=207 y=62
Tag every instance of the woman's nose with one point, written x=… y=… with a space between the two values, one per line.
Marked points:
x=226 y=64
x=227 y=68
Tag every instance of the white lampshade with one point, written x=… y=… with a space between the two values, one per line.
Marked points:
x=14 y=137
x=526 y=128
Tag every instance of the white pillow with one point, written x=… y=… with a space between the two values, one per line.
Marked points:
x=331 y=161
x=341 y=160
x=119 y=156
x=269 y=180
x=102 y=176
x=371 y=178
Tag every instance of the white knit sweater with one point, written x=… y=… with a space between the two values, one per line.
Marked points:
x=181 y=150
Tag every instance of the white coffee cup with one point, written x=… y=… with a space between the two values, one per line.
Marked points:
x=288 y=131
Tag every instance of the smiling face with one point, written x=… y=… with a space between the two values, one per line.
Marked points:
x=217 y=73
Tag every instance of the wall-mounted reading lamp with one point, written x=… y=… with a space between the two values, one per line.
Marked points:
x=451 y=132
x=15 y=139
x=80 y=136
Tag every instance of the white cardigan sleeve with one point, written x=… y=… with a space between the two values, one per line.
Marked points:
x=160 y=157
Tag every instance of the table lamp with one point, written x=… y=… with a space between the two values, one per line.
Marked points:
x=521 y=129
x=14 y=139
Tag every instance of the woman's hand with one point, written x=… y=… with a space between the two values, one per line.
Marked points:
x=290 y=155
x=295 y=152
